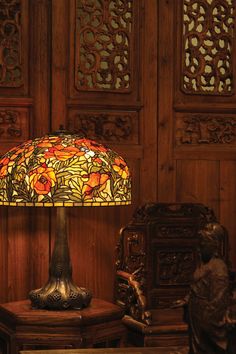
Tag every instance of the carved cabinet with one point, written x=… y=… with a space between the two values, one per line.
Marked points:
x=157 y=255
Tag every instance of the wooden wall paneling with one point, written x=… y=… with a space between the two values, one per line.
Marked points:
x=197 y=181
x=40 y=89
x=94 y=240
x=166 y=165
x=15 y=101
x=18 y=253
x=228 y=205
x=15 y=104
x=24 y=111
x=148 y=115
x=39 y=246
x=40 y=66
x=60 y=57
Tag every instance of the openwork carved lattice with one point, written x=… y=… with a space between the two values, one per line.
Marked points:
x=10 y=43
x=103 y=41
x=208 y=28
x=10 y=124
x=206 y=129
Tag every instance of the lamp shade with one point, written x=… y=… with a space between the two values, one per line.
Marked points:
x=63 y=169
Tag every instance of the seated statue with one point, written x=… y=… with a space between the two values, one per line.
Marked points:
x=208 y=301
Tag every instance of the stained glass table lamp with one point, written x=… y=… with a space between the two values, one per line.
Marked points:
x=63 y=170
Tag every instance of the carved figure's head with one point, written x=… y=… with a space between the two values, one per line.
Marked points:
x=209 y=240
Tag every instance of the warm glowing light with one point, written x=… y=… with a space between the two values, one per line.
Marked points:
x=63 y=170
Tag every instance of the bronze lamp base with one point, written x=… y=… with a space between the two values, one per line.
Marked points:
x=60 y=292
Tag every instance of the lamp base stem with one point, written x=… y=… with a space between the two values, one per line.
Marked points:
x=60 y=294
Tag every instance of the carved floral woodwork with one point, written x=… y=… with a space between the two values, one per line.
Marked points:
x=207 y=47
x=156 y=256
x=9 y=123
x=104 y=38
x=10 y=44
x=198 y=129
x=108 y=127
x=14 y=125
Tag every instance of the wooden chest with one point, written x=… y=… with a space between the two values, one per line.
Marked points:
x=157 y=255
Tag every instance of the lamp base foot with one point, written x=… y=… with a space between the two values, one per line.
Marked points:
x=60 y=294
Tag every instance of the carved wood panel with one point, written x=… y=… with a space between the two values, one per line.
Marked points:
x=169 y=230
x=132 y=251
x=205 y=129
x=208 y=32
x=108 y=127
x=103 y=47
x=14 y=126
x=174 y=267
x=14 y=38
x=10 y=44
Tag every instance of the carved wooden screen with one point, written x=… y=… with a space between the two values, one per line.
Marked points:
x=21 y=47
x=14 y=121
x=104 y=40
x=24 y=112
x=207 y=47
x=200 y=122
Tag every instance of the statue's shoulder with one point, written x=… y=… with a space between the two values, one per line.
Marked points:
x=218 y=267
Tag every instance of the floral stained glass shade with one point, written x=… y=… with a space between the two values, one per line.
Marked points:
x=63 y=170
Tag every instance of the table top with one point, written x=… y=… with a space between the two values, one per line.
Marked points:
x=144 y=350
x=21 y=312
